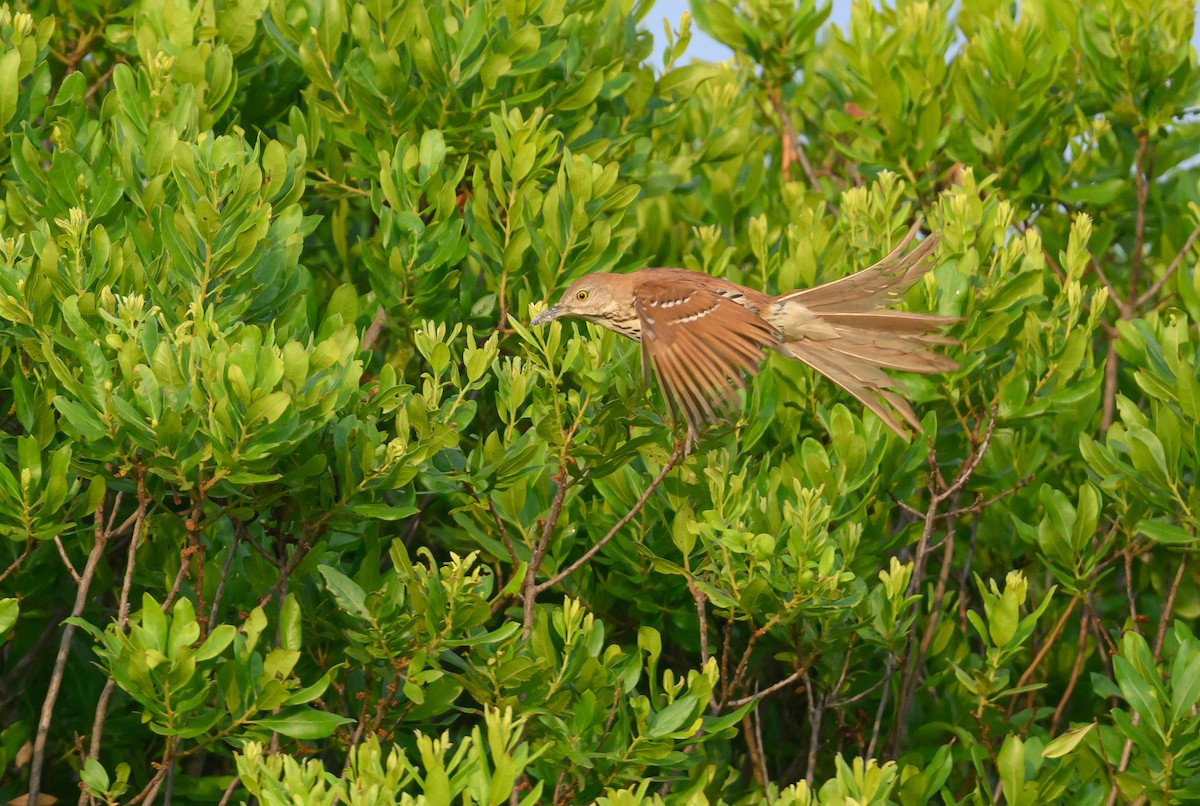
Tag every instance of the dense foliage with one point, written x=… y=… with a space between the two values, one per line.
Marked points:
x=294 y=506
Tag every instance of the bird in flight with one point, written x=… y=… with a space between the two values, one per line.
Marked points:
x=703 y=335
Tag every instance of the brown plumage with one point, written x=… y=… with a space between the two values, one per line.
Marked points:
x=703 y=335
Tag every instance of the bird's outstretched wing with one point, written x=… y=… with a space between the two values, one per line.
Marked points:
x=700 y=344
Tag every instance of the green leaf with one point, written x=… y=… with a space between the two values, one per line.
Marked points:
x=346 y=592
x=304 y=723
x=585 y=93
x=1064 y=744
x=10 y=85
x=10 y=609
x=220 y=638
x=1011 y=766
x=269 y=408
x=1162 y=532
x=383 y=512
x=290 y=630
x=671 y=718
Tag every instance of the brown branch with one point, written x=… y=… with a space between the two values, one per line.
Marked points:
x=887 y=675
x=302 y=549
x=816 y=711
x=1114 y=296
x=939 y=492
x=62 y=552
x=676 y=456
x=229 y=790
x=1164 y=619
x=701 y=601
x=771 y=689
x=1076 y=670
x=122 y=617
x=508 y=544
x=1157 y=285
x=178 y=584
x=371 y=335
x=212 y=615
x=529 y=588
x=1110 y=385
x=1168 y=607
x=18 y=562
x=245 y=533
x=758 y=764
x=148 y=794
x=791 y=147
x=1043 y=651
x=60 y=661
x=739 y=674
x=1142 y=177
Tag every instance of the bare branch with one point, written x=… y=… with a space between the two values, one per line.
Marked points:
x=60 y=661
x=529 y=588
x=212 y=615
x=1157 y=285
x=758 y=695
x=122 y=618
x=18 y=562
x=676 y=456
x=508 y=544
x=302 y=549
x=1169 y=606
x=1076 y=670
x=1141 y=175
x=62 y=552
x=371 y=335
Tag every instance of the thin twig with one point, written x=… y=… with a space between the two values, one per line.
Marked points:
x=1141 y=176
x=1168 y=607
x=18 y=562
x=229 y=790
x=62 y=552
x=1042 y=652
x=178 y=584
x=676 y=456
x=1164 y=619
x=122 y=621
x=1076 y=670
x=508 y=544
x=302 y=549
x=1157 y=285
x=891 y=665
x=212 y=615
x=1110 y=385
x=816 y=710
x=60 y=661
x=371 y=335
x=529 y=588
x=758 y=695
x=1113 y=295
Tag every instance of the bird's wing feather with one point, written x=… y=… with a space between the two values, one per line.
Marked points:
x=879 y=284
x=700 y=344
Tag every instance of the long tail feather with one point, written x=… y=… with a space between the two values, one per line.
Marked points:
x=844 y=331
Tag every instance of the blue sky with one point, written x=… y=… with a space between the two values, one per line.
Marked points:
x=703 y=47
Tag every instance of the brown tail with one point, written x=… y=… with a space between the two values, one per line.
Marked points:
x=854 y=337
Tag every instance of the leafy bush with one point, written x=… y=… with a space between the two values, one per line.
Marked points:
x=265 y=268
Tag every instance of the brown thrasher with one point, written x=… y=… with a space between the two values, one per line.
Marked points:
x=702 y=333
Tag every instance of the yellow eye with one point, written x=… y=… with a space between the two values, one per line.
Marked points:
x=581 y=296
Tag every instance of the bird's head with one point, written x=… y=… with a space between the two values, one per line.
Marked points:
x=595 y=297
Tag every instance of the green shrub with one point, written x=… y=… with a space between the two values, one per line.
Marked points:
x=264 y=274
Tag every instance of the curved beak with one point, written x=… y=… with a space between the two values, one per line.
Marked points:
x=548 y=315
